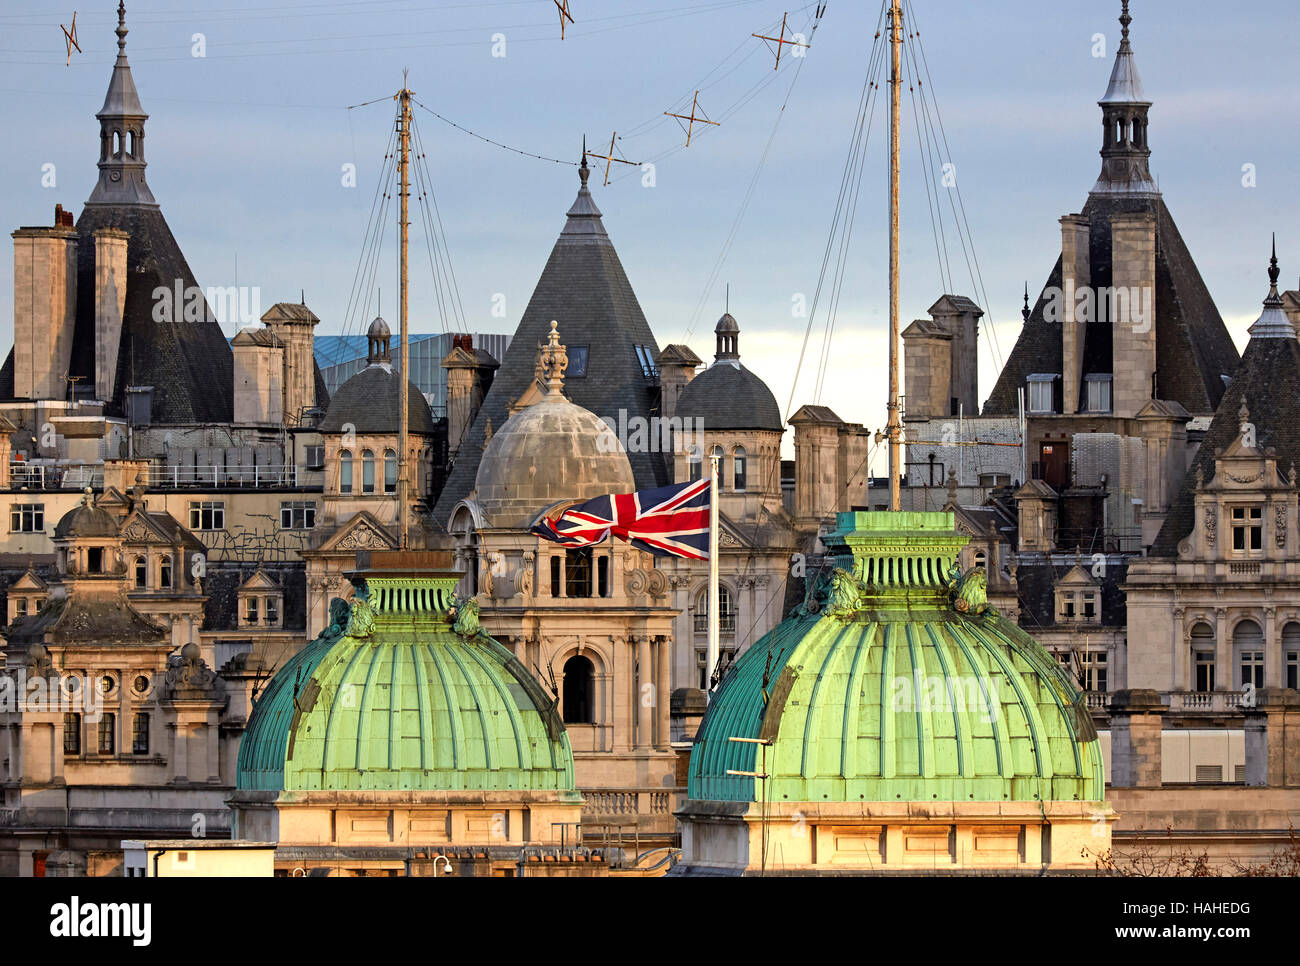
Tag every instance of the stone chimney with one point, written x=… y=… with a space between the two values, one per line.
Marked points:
x=258 y=373
x=1076 y=277
x=293 y=326
x=1132 y=311
x=677 y=365
x=110 y=304
x=45 y=308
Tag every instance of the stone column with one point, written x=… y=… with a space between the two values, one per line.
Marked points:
x=1273 y=739
x=1222 y=651
x=1273 y=676
x=1180 y=660
x=644 y=699
x=663 y=691
x=1136 y=725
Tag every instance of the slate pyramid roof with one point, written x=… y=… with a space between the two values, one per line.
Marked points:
x=584 y=288
x=189 y=363
x=1268 y=381
x=1193 y=348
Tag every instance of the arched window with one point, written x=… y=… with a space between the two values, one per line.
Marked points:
x=345 y=471
x=1291 y=656
x=1203 y=648
x=117 y=143
x=738 y=469
x=726 y=612
x=980 y=560
x=390 y=471
x=130 y=144
x=1248 y=643
x=141 y=573
x=367 y=471
x=695 y=459
x=579 y=691
x=717 y=451
x=165 y=572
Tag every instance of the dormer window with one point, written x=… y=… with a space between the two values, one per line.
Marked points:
x=1099 y=392
x=1041 y=394
x=1247 y=529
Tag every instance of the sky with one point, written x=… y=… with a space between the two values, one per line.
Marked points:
x=250 y=135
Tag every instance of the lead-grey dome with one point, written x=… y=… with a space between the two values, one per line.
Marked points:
x=728 y=396
x=552 y=451
x=370 y=402
x=86 y=520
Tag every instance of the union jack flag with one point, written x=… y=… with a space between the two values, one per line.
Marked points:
x=672 y=521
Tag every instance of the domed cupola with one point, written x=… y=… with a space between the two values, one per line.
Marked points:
x=551 y=451
x=893 y=691
x=727 y=395
x=404 y=692
x=370 y=401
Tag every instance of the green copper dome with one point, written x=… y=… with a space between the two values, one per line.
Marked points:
x=403 y=693
x=895 y=681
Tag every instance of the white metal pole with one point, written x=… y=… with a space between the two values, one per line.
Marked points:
x=711 y=662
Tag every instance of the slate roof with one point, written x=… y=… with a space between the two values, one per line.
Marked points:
x=87 y=620
x=1036 y=582
x=1269 y=378
x=1193 y=348
x=370 y=402
x=221 y=584
x=728 y=396
x=585 y=289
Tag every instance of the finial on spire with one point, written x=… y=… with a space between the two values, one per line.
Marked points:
x=1124 y=20
x=1273 y=271
x=555 y=360
x=583 y=172
x=1026 y=311
x=121 y=26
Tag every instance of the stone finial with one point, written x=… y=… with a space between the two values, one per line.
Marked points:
x=1200 y=476
x=1026 y=311
x=555 y=360
x=952 y=487
x=583 y=172
x=1291 y=475
x=1244 y=411
x=121 y=30
x=1124 y=21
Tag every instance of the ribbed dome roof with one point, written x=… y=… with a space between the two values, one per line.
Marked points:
x=370 y=402
x=554 y=450
x=86 y=520
x=397 y=700
x=728 y=396
x=888 y=693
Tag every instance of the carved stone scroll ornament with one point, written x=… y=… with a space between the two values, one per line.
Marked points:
x=1279 y=524
x=1211 y=525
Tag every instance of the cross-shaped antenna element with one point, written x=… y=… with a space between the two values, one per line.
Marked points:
x=780 y=41
x=692 y=118
x=609 y=158
x=563 y=7
x=70 y=36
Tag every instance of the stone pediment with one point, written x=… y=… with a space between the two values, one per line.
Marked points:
x=1077 y=576
x=30 y=581
x=260 y=580
x=139 y=527
x=361 y=532
x=1035 y=490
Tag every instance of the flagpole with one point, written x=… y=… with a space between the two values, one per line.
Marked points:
x=713 y=653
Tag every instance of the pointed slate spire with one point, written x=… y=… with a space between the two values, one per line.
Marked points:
x=1273 y=322
x=121 y=135
x=1125 y=153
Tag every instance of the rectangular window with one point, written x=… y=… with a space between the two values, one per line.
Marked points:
x=1252 y=669
x=272 y=612
x=1089 y=606
x=108 y=734
x=1098 y=393
x=577 y=362
x=1293 y=670
x=71 y=733
x=577 y=573
x=165 y=572
x=1040 y=394
x=315 y=456
x=1204 y=661
x=1247 y=529
x=95 y=560
x=1094 y=671
x=1067 y=607
x=250 y=610
x=725 y=656
x=602 y=576
x=297 y=514
x=26 y=517
x=20 y=607
x=555 y=576
x=207 y=515
x=140 y=734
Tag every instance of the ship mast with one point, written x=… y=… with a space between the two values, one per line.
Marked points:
x=404 y=131
x=894 y=428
